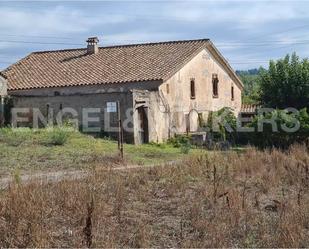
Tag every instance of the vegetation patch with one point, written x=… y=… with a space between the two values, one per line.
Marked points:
x=252 y=199
x=62 y=148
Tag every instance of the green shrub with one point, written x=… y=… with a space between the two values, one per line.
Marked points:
x=57 y=136
x=280 y=138
x=216 y=125
x=185 y=148
x=179 y=140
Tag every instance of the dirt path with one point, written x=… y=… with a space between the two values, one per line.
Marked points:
x=67 y=174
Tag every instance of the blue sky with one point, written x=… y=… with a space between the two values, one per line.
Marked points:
x=248 y=33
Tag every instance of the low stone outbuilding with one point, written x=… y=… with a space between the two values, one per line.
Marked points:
x=162 y=88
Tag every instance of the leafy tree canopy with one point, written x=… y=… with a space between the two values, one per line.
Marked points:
x=285 y=83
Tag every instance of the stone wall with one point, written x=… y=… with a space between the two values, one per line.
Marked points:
x=176 y=91
x=78 y=98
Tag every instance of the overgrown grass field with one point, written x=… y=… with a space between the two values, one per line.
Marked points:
x=61 y=148
x=250 y=199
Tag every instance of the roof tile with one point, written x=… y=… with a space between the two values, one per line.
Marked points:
x=115 y=64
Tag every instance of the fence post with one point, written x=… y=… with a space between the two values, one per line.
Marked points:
x=120 y=131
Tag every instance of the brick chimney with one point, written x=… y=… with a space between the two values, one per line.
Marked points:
x=92 y=45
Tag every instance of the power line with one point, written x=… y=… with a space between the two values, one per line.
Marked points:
x=227 y=44
x=280 y=32
x=38 y=36
x=42 y=43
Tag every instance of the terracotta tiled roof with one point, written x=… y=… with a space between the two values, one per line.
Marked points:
x=115 y=64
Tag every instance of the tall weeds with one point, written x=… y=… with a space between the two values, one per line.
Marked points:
x=252 y=199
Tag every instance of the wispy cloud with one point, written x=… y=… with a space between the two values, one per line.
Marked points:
x=225 y=22
x=56 y=20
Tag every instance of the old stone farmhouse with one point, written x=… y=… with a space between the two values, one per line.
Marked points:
x=162 y=88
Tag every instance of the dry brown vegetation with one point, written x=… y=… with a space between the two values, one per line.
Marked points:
x=252 y=199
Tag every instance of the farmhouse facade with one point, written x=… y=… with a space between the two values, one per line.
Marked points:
x=160 y=88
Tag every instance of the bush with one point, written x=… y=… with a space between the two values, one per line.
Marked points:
x=179 y=140
x=57 y=136
x=216 y=125
x=281 y=138
x=185 y=148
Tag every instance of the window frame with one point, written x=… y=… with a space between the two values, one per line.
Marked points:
x=192 y=88
x=215 y=86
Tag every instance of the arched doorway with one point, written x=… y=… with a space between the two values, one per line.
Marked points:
x=192 y=123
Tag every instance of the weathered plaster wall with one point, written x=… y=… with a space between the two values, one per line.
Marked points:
x=200 y=68
x=158 y=118
x=3 y=86
x=82 y=97
x=78 y=90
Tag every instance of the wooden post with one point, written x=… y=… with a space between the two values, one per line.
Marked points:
x=121 y=141
x=119 y=124
x=120 y=131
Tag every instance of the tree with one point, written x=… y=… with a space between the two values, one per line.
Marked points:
x=251 y=85
x=285 y=83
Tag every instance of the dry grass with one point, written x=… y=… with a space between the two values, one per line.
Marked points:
x=253 y=199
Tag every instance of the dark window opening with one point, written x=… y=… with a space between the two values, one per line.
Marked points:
x=232 y=93
x=47 y=111
x=56 y=93
x=60 y=107
x=215 y=82
x=192 y=88
x=167 y=88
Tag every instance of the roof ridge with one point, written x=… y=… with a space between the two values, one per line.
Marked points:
x=126 y=45
x=156 y=43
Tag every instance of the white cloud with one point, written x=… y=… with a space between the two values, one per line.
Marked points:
x=58 y=20
x=243 y=14
x=139 y=37
x=135 y=21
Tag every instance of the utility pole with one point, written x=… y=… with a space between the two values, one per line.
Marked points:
x=120 y=131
